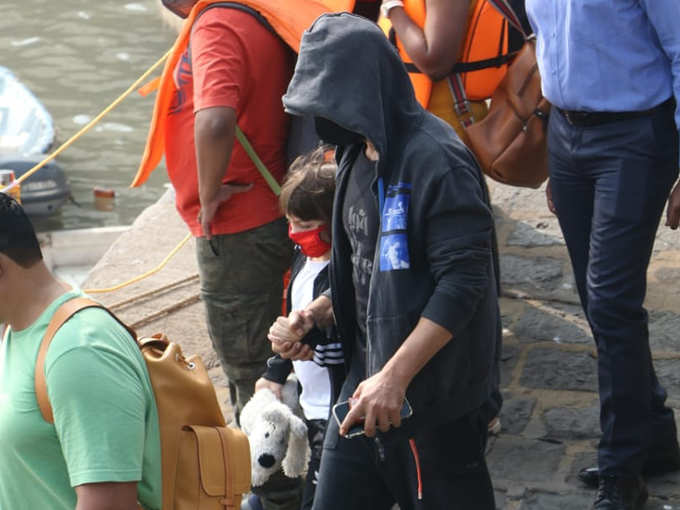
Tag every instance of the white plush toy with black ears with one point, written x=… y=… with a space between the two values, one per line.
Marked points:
x=277 y=436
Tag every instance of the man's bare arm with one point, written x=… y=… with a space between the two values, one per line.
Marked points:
x=214 y=131
x=435 y=48
x=107 y=496
x=321 y=310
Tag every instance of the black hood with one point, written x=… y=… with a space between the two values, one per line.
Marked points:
x=349 y=73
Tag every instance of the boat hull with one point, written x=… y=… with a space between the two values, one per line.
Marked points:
x=46 y=191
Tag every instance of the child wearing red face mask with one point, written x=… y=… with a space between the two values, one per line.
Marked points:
x=307 y=201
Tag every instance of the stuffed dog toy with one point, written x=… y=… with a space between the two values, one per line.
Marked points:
x=278 y=437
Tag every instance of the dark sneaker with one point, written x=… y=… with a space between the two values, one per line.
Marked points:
x=590 y=476
x=658 y=465
x=615 y=493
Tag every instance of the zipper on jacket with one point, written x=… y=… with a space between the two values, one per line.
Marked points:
x=381 y=449
x=380 y=185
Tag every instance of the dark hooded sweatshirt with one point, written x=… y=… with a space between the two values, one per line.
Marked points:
x=347 y=72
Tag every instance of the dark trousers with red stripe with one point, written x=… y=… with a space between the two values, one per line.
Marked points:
x=374 y=474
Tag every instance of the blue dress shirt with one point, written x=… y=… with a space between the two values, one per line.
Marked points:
x=608 y=55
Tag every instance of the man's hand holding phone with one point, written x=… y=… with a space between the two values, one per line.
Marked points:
x=378 y=402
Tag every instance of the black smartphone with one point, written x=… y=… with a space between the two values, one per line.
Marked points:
x=341 y=409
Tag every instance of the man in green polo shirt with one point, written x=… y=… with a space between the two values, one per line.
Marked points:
x=103 y=450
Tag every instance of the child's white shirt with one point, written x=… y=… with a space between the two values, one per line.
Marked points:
x=314 y=379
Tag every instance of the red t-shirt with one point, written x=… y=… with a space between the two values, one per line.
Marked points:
x=232 y=61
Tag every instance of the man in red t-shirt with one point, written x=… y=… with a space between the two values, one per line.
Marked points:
x=234 y=72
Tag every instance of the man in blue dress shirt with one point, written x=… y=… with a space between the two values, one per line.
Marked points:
x=612 y=69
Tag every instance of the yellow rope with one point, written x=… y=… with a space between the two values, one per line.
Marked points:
x=94 y=121
x=145 y=275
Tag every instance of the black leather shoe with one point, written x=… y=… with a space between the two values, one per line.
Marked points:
x=666 y=462
x=615 y=493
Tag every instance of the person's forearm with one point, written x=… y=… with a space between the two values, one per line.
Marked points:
x=378 y=399
x=410 y=34
x=106 y=505
x=107 y=496
x=322 y=311
x=435 y=48
x=214 y=130
x=426 y=340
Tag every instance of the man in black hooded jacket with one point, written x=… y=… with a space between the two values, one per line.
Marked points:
x=412 y=280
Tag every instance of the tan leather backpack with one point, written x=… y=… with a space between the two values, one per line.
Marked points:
x=205 y=464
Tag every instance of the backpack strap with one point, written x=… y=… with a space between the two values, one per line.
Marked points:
x=508 y=13
x=461 y=104
x=60 y=317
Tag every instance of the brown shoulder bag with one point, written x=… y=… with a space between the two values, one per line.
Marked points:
x=510 y=142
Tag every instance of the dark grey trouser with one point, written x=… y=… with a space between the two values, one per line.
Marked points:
x=242 y=287
x=609 y=184
x=316 y=431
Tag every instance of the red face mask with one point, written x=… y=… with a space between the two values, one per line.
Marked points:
x=310 y=241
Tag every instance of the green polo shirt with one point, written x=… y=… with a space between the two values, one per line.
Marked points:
x=106 y=421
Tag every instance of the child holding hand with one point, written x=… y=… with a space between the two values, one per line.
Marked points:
x=307 y=201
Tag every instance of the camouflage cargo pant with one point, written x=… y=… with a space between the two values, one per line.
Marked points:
x=241 y=286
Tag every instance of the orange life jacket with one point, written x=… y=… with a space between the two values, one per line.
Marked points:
x=288 y=18
x=485 y=47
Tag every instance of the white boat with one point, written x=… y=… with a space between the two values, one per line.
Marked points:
x=26 y=127
x=26 y=134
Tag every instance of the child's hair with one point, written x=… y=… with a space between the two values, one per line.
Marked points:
x=307 y=193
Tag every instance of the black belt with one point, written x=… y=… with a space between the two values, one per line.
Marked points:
x=581 y=118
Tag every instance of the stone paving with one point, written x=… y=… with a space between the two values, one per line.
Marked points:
x=550 y=416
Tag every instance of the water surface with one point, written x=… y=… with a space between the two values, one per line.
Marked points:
x=77 y=56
